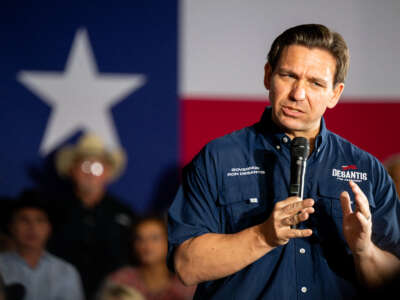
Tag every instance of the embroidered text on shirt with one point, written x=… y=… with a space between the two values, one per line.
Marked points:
x=251 y=170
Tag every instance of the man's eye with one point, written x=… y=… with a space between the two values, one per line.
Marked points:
x=317 y=84
x=287 y=75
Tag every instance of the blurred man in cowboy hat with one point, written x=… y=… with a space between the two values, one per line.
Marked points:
x=93 y=227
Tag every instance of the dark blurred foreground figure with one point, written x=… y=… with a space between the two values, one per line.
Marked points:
x=14 y=291
x=235 y=230
x=92 y=226
x=151 y=276
x=30 y=269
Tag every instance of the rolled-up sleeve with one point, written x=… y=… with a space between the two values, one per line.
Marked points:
x=194 y=211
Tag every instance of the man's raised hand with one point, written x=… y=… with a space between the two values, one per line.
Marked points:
x=277 y=229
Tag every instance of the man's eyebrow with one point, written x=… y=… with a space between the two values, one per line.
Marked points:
x=313 y=78
x=285 y=70
x=319 y=80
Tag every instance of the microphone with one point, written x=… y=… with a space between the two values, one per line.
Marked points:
x=15 y=291
x=299 y=152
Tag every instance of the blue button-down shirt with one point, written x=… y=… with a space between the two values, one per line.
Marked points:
x=51 y=279
x=234 y=183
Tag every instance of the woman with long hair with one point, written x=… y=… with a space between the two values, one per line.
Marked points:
x=149 y=274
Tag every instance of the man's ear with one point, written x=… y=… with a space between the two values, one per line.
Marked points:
x=337 y=92
x=267 y=75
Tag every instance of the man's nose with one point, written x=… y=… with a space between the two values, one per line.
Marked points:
x=298 y=92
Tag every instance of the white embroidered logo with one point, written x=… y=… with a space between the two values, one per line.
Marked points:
x=349 y=172
x=252 y=170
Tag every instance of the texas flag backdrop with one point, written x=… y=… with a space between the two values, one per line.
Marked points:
x=162 y=78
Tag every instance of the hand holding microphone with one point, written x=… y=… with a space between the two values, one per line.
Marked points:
x=280 y=227
x=299 y=152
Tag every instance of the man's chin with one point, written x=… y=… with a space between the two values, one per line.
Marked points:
x=290 y=124
x=32 y=246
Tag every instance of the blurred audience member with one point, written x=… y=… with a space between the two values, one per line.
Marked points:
x=393 y=167
x=42 y=275
x=93 y=227
x=119 y=292
x=151 y=276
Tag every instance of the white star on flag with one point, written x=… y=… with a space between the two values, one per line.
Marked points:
x=81 y=98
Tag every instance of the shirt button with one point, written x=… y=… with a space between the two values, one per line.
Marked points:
x=278 y=147
x=285 y=139
x=302 y=250
x=304 y=289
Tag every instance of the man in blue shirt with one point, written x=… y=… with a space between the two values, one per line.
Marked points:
x=230 y=225
x=40 y=274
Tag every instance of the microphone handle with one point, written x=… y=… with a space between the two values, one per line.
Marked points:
x=297 y=189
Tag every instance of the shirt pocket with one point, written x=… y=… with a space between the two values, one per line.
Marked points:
x=326 y=223
x=242 y=204
x=328 y=209
x=327 y=204
x=329 y=195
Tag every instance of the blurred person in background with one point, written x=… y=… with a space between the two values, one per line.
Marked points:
x=93 y=227
x=393 y=167
x=30 y=269
x=119 y=292
x=150 y=275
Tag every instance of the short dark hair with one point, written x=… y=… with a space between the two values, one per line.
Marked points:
x=29 y=198
x=313 y=36
x=149 y=218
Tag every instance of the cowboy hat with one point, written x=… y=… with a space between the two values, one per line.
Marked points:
x=90 y=145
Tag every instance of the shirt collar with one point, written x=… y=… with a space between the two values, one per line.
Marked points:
x=45 y=256
x=322 y=136
x=270 y=129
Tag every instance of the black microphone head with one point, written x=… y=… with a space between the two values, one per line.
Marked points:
x=300 y=148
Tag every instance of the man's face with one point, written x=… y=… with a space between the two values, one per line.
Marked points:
x=301 y=88
x=90 y=174
x=30 y=228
